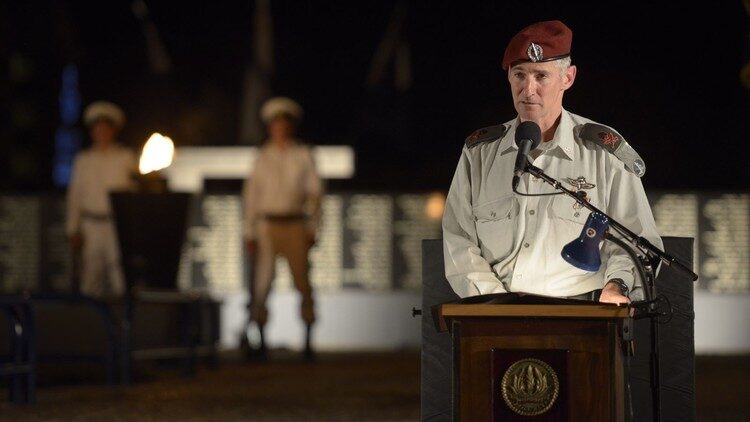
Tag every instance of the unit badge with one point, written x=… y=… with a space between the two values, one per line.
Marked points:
x=580 y=183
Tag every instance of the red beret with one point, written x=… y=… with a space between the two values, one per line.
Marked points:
x=539 y=42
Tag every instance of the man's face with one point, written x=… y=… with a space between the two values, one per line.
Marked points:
x=103 y=132
x=538 y=89
x=281 y=128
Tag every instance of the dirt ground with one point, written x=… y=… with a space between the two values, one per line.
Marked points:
x=334 y=387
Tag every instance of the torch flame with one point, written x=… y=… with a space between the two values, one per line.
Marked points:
x=157 y=154
x=435 y=206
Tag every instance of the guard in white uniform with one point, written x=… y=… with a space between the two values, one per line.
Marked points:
x=497 y=241
x=103 y=168
x=282 y=211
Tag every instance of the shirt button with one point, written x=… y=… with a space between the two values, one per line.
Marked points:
x=525 y=245
x=532 y=212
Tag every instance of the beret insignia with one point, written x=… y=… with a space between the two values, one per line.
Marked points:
x=535 y=52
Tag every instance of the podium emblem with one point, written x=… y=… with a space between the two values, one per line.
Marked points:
x=530 y=387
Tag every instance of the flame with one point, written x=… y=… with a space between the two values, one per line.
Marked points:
x=157 y=154
x=435 y=206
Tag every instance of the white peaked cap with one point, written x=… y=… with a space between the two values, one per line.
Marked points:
x=104 y=110
x=280 y=105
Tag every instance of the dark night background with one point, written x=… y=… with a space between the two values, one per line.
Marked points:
x=666 y=76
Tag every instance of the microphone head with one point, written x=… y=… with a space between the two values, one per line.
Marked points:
x=583 y=252
x=531 y=131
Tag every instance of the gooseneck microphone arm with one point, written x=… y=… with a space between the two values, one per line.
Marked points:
x=522 y=160
x=638 y=241
x=528 y=136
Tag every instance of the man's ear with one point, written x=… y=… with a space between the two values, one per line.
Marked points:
x=569 y=77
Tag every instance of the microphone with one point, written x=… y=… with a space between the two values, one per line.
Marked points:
x=583 y=252
x=528 y=136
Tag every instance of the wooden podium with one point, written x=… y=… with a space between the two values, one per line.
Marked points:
x=525 y=357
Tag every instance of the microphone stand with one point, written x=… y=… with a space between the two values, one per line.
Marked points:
x=645 y=264
x=647 y=308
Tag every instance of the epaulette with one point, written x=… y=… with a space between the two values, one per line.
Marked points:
x=615 y=144
x=485 y=134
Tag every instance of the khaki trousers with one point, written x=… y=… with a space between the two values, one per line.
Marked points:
x=290 y=240
x=101 y=274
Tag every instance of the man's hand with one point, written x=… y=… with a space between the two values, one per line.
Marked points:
x=310 y=239
x=251 y=246
x=76 y=242
x=611 y=294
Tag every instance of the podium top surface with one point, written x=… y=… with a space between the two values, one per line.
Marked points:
x=527 y=306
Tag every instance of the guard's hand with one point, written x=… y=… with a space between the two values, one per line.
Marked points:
x=76 y=242
x=611 y=294
x=251 y=246
x=310 y=238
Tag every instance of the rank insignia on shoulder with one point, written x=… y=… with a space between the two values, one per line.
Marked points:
x=485 y=134
x=615 y=144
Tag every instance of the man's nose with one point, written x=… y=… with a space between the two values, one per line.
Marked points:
x=529 y=87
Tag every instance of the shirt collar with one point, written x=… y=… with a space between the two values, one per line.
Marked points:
x=562 y=141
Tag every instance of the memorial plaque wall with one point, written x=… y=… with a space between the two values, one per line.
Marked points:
x=366 y=241
x=20 y=241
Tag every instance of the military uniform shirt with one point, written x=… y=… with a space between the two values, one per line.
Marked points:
x=283 y=182
x=96 y=173
x=496 y=241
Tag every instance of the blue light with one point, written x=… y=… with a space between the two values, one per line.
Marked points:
x=67 y=137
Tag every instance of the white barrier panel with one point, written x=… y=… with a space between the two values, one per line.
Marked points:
x=191 y=165
x=353 y=320
x=721 y=323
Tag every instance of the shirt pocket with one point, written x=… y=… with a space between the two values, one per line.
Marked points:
x=495 y=223
x=499 y=209
x=566 y=208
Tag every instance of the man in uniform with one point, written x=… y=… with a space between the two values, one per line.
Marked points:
x=97 y=171
x=497 y=241
x=282 y=211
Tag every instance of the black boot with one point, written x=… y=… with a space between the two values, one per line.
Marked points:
x=309 y=354
x=258 y=353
